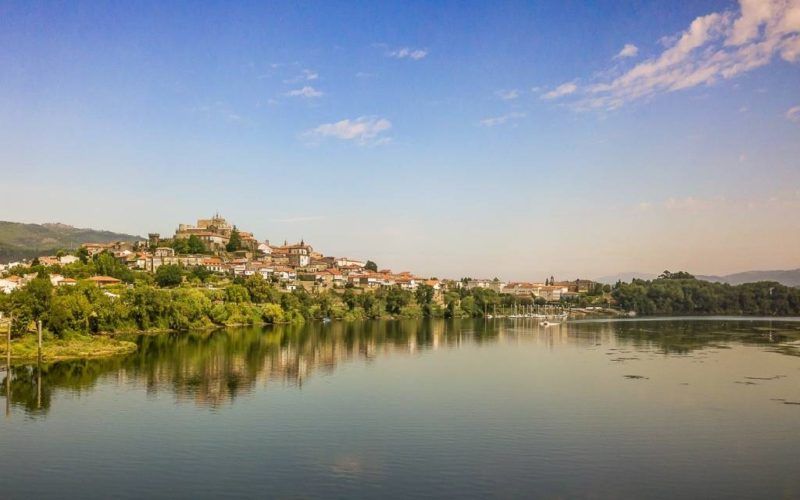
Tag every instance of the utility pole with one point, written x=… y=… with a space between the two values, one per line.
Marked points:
x=8 y=344
x=39 y=325
x=8 y=366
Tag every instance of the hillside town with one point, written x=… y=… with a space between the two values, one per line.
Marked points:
x=221 y=248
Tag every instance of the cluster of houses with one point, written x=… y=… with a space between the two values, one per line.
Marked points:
x=10 y=283
x=551 y=290
x=292 y=266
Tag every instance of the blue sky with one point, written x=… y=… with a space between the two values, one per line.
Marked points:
x=450 y=138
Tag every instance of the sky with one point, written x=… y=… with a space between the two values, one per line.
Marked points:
x=509 y=139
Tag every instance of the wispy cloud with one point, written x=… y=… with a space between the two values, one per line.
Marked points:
x=508 y=95
x=500 y=120
x=793 y=114
x=306 y=75
x=307 y=92
x=561 y=90
x=408 y=53
x=365 y=130
x=717 y=46
x=629 y=50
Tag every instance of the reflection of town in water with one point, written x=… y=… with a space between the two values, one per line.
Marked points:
x=214 y=368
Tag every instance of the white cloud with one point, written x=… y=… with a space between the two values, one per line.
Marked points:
x=408 y=53
x=716 y=46
x=500 y=120
x=307 y=92
x=363 y=130
x=304 y=76
x=507 y=95
x=793 y=114
x=629 y=50
x=561 y=90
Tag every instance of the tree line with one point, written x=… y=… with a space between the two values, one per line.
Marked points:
x=681 y=294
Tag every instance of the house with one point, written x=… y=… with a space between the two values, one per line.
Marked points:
x=522 y=289
x=494 y=284
x=49 y=260
x=285 y=273
x=299 y=254
x=103 y=281
x=9 y=284
x=551 y=293
x=214 y=264
x=67 y=259
x=164 y=252
x=579 y=285
x=337 y=278
x=67 y=282
x=265 y=272
x=265 y=248
x=95 y=248
x=433 y=283
x=350 y=263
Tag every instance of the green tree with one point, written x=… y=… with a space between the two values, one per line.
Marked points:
x=180 y=245
x=396 y=299
x=237 y=294
x=260 y=290
x=371 y=266
x=235 y=241
x=195 y=245
x=200 y=273
x=169 y=275
x=83 y=255
x=424 y=296
x=107 y=265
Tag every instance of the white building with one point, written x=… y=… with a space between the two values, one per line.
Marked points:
x=67 y=259
x=345 y=262
x=8 y=285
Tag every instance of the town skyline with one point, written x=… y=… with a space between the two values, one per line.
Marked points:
x=216 y=240
x=480 y=142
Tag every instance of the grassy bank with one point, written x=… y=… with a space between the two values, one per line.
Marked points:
x=78 y=347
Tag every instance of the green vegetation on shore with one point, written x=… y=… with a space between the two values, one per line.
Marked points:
x=682 y=294
x=76 y=318
x=24 y=349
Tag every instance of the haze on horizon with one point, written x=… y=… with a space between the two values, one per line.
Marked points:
x=516 y=139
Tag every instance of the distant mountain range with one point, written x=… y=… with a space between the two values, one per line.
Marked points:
x=790 y=277
x=26 y=241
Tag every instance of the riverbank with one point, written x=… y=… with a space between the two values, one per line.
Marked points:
x=24 y=350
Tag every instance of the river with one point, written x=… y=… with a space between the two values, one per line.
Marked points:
x=500 y=408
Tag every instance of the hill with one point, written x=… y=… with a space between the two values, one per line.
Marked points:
x=790 y=277
x=625 y=277
x=25 y=241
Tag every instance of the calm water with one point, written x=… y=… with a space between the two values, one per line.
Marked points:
x=391 y=409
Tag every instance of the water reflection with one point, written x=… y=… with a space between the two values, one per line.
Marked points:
x=214 y=368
